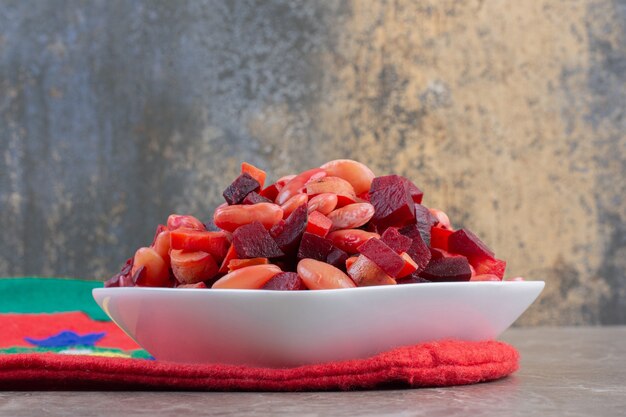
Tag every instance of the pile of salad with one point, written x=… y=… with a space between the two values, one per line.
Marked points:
x=336 y=226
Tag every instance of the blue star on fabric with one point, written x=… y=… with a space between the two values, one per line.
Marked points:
x=67 y=338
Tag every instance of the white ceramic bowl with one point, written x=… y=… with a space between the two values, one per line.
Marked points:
x=276 y=328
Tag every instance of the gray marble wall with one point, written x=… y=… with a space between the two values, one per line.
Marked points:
x=511 y=115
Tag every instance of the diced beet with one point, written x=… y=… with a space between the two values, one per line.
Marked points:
x=439 y=237
x=122 y=278
x=270 y=192
x=468 y=244
x=211 y=227
x=479 y=255
x=366 y=273
x=318 y=224
x=436 y=253
x=114 y=281
x=285 y=281
x=392 y=202
x=383 y=256
x=253 y=197
x=277 y=229
x=384 y=181
x=419 y=252
x=424 y=221
x=374 y=228
x=416 y=193
x=240 y=188
x=412 y=279
x=337 y=258
x=387 y=180
x=289 y=238
x=399 y=243
x=254 y=241
x=286 y=265
x=455 y=268
x=315 y=247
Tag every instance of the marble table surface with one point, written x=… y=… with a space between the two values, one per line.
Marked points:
x=564 y=372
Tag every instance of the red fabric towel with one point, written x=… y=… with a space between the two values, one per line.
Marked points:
x=434 y=364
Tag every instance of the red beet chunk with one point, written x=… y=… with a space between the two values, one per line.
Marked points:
x=122 y=278
x=424 y=222
x=414 y=278
x=455 y=268
x=240 y=188
x=392 y=202
x=112 y=282
x=365 y=273
x=420 y=253
x=468 y=244
x=436 y=253
x=439 y=237
x=285 y=281
x=383 y=256
x=399 y=243
x=277 y=229
x=254 y=241
x=288 y=239
x=389 y=180
x=253 y=197
x=337 y=258
x=416 y=194
x=211 y=227
x=315 y=247
x=384 y=181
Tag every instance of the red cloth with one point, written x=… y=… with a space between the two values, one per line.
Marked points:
x=14 y=327
x=434 y=364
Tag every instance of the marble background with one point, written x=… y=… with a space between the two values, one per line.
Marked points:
x=511 y=115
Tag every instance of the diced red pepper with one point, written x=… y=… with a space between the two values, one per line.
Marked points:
x=318 y=224
x=190 y=240
x=409 y=267
x=271 y=192
x=254 y=172
x=230 y=255
x=234 y=264
x=439 y=238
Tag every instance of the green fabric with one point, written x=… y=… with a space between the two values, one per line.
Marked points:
x=137 y=354
x=49 y=295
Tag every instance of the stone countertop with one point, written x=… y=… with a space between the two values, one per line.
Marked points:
x=564 y=372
